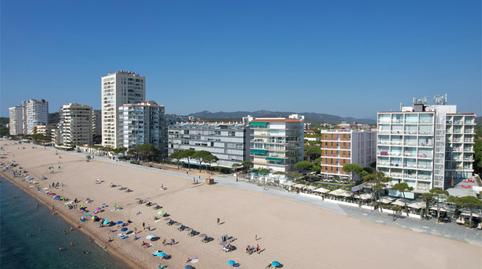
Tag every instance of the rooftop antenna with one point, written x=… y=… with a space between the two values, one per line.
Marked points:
x=440 y=99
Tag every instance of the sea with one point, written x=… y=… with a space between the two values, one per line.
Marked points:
x=31 y=237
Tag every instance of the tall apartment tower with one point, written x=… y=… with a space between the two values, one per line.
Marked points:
x=276 y=144
x=35 y=112
x=346 y=146
x=75 y=125
x=143 y=123
x=96 y=126
x=118 y=88
x=426 y=146
x=15 y=123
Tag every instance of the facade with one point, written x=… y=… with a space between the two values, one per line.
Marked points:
x=276 y=144
x=96 y=126
x=15 y=123
x=426 y=146
x=56 y=136
x=346 y=146
x=43 y=129
x=143 y=123
x=35 y=112
x=118 y=88
x=227 y=141
x=75 y=125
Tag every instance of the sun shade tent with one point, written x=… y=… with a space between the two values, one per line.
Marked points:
x=311 y=188
x=417 y=205
x=321 y=190
x=342 y=193
x=386 y=200
x=399 y=203
x=364 y=196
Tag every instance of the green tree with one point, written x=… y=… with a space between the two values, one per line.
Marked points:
x=177 y=155
x=247 y=165
x=204 y=156
x=303 y=166
x=468 y=202
x=402 y=187
x=356 y=169
x=438 y=194
x=144 y=152
x=378 y=181
x=312 y=152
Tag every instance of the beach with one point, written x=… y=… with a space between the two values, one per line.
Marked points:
x=299 y=235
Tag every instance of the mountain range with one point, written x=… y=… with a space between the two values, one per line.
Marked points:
x=312 y=117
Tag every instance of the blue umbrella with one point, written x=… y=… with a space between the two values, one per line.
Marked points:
x=276 y=264
x=124 y=229
x=119 y=222
x=106 y=222
x=188 y=266
x=232 y=263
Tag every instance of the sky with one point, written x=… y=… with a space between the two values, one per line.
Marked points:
x=348 y=58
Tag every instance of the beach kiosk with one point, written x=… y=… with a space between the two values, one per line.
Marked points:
x=209 y=180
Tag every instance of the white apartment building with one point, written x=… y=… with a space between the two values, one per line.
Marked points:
x=15 y=123
x=118 y=88
x=426 y=146
x=35 y=112
x=346 y=146
x=43 y=129
x=75 y=125
x=226 y=141
x=276 y=144
x=143 y=123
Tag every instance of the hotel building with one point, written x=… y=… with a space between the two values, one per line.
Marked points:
x=226 y=141
x=75 y=125
x=15 y=123
x=276 y=144
x=118 y=88
x=35 y=112
x=346 y=146
x=426 y=146
x=143 y=123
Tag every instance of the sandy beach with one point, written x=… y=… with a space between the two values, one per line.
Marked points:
x=299 y=235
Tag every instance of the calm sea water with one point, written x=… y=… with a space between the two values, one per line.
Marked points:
x=30 y=237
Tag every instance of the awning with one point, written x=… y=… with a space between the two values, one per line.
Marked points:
x=417 y=205
x=399 y=203
x=321 y=190
x=364 y=196
x=386 y=200
x=340 y=192
x=311 y=188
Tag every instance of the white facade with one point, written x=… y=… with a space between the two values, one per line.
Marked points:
x=117 y=89
x=346 y=146
x=426 y=146
x=15 y=123
x=276 y=144
x=226 y=141
x=143 y=123
x=75 y=125
x=35 y=112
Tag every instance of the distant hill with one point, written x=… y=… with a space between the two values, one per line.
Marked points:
x=311 y=117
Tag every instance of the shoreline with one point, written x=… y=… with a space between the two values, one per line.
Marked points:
x=112 y=251
x=319 y=237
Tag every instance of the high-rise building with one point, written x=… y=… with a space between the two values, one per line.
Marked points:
x=96 y=126
x=143 y=123
x=276 y=144
x=426 y=146
x=75 y=125
x=118 y=88
x=226 y=141
x=35 y=112
x=15 y=123
x=346 y=146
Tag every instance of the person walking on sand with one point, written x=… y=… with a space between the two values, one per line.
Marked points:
x=144 y=226
x=218 y=221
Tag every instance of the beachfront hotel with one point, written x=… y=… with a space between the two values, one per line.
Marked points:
x=35 y=112
x=75 y=125
x=226 y=141
x=276 y=144
x=143 y=123
x=15 y=123
x=426 y=146
x=346 y=146
x=119 y=88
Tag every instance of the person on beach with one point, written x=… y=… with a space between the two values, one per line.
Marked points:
x=144 y=226
x=218 y=221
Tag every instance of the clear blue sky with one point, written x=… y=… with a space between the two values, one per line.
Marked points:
x=350 y=58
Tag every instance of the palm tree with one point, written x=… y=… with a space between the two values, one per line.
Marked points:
x=439 y=193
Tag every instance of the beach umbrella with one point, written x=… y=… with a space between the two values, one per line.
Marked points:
x=106 y=221
x=124 y=229
x=120 y=222
x=232 y=263
x=150 y=236
x=188 y=266
x=276 y=264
